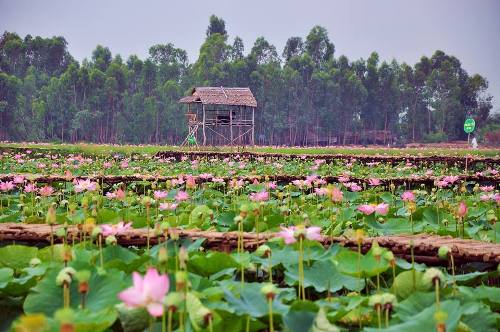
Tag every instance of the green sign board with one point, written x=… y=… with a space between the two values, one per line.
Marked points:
x=469 y=125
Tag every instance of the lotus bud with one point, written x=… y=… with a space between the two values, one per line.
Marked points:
x=443 y=252
x=174 y=301
x=85 y=202
x=376 y=250
x=180 y=280
x=51 y=217
x=63 y=278
x=35 y=262
x=96 y=232
x=67 y=254
x=203 y=316
x=476 y=188
x=174 y=234
x=389 y=301
x=61 y=232
x=83 y=278
x=440 y=317
x=263 y=251
x=65 y=317
x=491 y=216
x=375 y=301
x=147 y=201
x=432 y=276
x=183 y=258
x=238 y=219
x=162 y=255
x=389 y=256
x=359 y=236
x=269 y=290
x=461 y=209
x=111 y=240
x=244 y=210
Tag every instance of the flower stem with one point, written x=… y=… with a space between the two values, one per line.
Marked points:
x=453 y=272
x=270 y=269
x=147 y=225
x=52 y=242
x=99 y=237
x=386 y=317
x=271 y=323
x=169 y=324
x=436 y=283
x=379 y=316
x=163 y=321
x=301 y=270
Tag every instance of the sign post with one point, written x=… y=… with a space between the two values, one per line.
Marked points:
x=469 y=126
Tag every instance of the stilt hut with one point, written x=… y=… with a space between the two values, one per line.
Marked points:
x=226 y=116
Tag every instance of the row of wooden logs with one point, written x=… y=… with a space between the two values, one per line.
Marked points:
x=425 y=247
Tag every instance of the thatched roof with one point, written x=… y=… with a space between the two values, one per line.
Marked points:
x=221 y=96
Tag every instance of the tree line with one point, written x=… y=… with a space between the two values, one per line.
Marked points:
x=306 y=95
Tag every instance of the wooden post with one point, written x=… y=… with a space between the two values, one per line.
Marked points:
x=253 y=125
x=204 y=134
x=231 y=126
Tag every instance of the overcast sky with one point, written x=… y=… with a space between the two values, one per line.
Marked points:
x=404 y=30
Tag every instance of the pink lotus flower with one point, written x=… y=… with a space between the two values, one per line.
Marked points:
x=374 y=182
x=124 y=164
x=29 y=188
x=107 y=164
x=6 y=186
x=321 y=191
x=85 y=185
x=429 y=172
x=116 y=229
x=353 y=186
x=337 y=195
x=408 y=196
x=271 y=185
x=18 y=179
x=382 y=209
x=451 y=179
x=46 y=191
x=292 y=233
x=119 y=194
x=236 y=184
x=344 y=178
x=160 y=194
x=442 y=184
x=366 y=209
x=181 y=196
x=462 y=209
x=487 y=188
x=486 y=197
x=147 y=292
x=190 y=181
x=260 y=196
x=218 y=180
x=168 y=206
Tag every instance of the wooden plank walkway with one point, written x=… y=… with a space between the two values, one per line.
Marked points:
x=425 y=246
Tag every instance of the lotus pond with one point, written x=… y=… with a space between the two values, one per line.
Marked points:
x=293 y=282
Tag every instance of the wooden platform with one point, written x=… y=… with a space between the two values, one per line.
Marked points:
x=425 y=246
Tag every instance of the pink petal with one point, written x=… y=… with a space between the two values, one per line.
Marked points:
x=132 y=297
x=155 y=309
x=138 y=281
